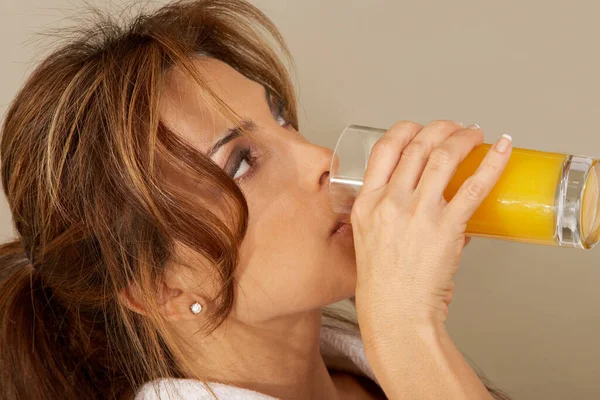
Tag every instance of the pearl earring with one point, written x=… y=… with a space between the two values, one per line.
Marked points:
x=196 y=308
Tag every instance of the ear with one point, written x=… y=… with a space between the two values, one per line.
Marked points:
x=181 y=288
x=173 y=298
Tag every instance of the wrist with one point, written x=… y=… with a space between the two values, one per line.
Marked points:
x=418 y=333
x=420 y=360
x=381 y=319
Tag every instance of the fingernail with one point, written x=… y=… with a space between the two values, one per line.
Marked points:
x=504 y=143
x=474 y=127
x=459 y=123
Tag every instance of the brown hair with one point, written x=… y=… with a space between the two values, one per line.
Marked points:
x=84 y=159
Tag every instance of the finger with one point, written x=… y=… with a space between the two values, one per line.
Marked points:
x=386 y=153
x=476 y=188
x=443 y=162
x=408 y=172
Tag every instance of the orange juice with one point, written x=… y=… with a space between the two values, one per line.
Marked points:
x=522 y=205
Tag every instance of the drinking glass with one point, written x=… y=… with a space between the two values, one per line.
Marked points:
x=541 y=197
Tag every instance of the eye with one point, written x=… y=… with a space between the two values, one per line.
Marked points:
x=242 y=166
x=242 y=169
x=281 y=120
x=280 y=116
x=278 y=109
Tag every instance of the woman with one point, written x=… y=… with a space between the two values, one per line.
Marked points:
x=175 y=235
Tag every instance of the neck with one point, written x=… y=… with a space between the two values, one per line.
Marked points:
x=280 y=357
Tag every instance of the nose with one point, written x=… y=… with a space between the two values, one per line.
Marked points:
x=315 y=162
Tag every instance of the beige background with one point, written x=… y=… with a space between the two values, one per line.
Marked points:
x=529 y=316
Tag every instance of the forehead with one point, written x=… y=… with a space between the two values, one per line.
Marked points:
x=184 y=108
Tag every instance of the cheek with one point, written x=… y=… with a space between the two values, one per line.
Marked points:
x=287 y=265
x=290 y=272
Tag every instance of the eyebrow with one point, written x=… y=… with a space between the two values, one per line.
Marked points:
x=231 y=134
x=238 y=131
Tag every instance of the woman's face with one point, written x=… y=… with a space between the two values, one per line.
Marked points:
x=289 y=260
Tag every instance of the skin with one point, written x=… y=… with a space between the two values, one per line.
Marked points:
x=278 y=294
x=291 y=267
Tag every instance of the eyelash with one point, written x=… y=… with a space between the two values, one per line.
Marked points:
x=246 y=153
x=280 y=116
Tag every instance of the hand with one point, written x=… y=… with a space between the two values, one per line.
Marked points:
x=408 y=239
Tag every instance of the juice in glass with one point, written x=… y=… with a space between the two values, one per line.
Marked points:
x=522 y=205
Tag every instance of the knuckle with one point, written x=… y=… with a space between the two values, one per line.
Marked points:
x=440 y=158
x=388 y=207
x=477 y=136
x=422 y=210
x=414 y=149
x=474 y=189
x=442 y=124
x=405 y=126
x=395 y=139
x=383 y=148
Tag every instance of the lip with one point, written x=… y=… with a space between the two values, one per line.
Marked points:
x=341 y=227
x=336 y=227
